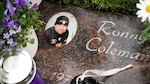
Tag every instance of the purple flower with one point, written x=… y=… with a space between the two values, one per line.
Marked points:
x=10 y=8
x=5 y=23
x=27 y=3
x=35 y=6
x=18 y=29
x=6 y=48
x=6 y=12
x=20 y=3
x=16 y=24
x=7 y=18
x=11 y=42
x=11 y=32
x=11 y=23
x=19 y=37
x=1 y=43
x=6 y=35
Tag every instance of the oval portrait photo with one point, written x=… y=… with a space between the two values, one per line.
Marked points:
x=60 y=29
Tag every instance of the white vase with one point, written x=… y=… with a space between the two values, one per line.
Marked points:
x=32 y=48
x=36 y=1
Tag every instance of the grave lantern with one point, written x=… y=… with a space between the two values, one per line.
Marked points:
x=20 y=68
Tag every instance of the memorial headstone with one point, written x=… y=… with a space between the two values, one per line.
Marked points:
x=102 y=41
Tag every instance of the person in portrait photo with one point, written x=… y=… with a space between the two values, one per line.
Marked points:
x=57 y=35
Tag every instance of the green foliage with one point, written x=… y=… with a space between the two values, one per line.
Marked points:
x=127 y=5
x=146 y=32
x=118 y=6
x=1 y=13
x=28 y=18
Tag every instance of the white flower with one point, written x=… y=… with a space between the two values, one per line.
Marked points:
x=144 y=10
x=24 y=15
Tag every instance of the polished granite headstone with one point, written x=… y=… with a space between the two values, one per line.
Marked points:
x=103 y=41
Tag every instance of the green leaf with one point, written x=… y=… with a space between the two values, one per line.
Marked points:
x=94 y=1
x=145 y=31
x=66 y=1
x=146 y=23
x=24 y=44
x=32 y=41
x=23 y=21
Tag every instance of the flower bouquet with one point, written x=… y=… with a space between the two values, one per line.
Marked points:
x=16 y=18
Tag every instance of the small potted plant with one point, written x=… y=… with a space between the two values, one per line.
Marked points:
x=18 y=19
